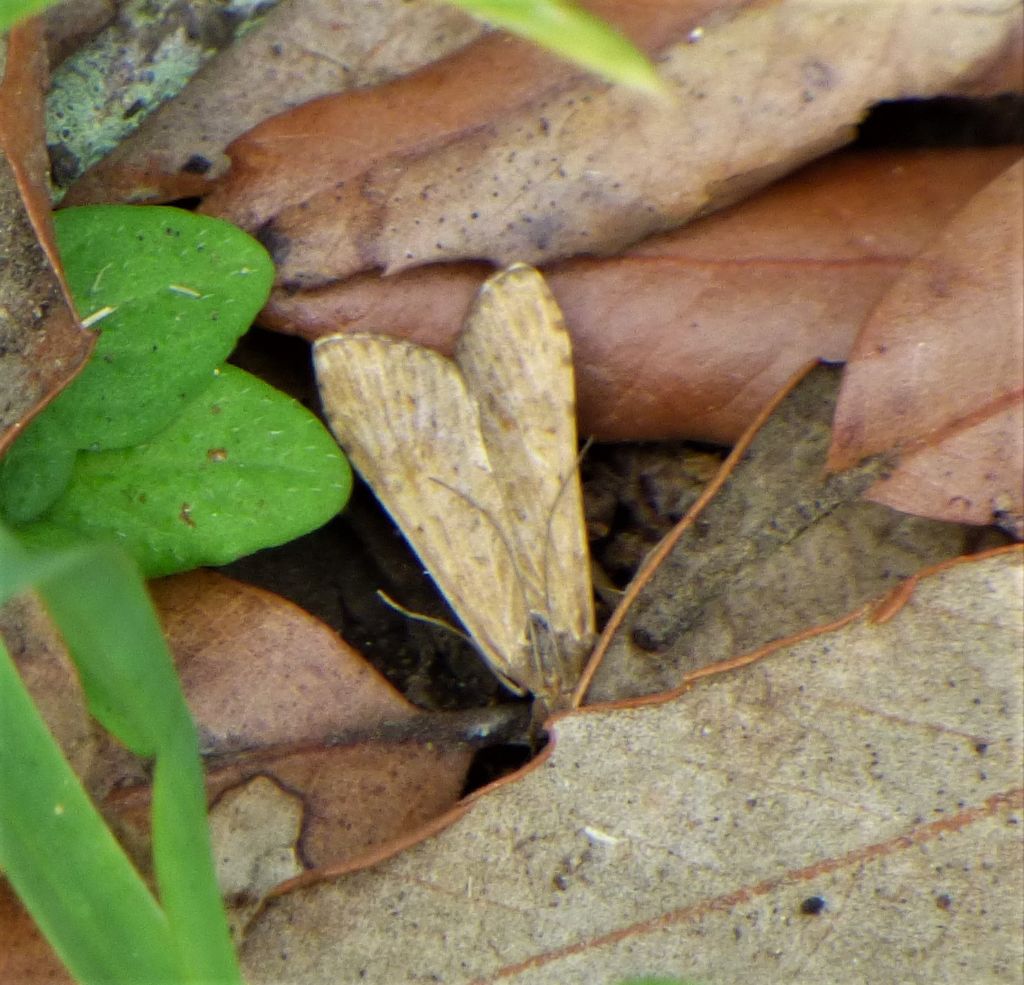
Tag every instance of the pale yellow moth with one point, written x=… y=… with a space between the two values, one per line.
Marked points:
x=476 y=460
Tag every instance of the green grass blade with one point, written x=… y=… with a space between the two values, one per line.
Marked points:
x=63 y=861
x=183 y=861
x=12 y=11
x=132 y=688
x=573 y=33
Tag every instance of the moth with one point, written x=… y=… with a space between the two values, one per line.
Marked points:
x=476 y=458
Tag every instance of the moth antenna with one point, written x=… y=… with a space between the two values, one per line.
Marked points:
x=508 y=549
x=421 y=616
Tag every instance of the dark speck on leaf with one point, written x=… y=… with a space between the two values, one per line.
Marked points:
x=276 y=243
x=137 y=107
x=197 y=164
x=646 y=641
x=64 y=164
x=812 y=906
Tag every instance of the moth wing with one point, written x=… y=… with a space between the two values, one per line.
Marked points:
x=404 y=417
x=516 y=357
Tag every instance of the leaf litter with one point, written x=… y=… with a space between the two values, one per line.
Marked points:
x=572 y=868
x=870 y=767
x=690 y=333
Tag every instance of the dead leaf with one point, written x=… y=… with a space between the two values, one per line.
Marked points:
x=779 y=547
x=41 y=343
x=939 y=371
x=302 y=50
x=277 y=694
x=845 y=804
x=692 y=332
x=461 y=161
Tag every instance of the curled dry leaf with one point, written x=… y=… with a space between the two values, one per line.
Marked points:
x=761 y=825
x=939 y=371
x=41 y=344
x=690 y=333
x=497 y=153
x=780 y=546
x=302 y=50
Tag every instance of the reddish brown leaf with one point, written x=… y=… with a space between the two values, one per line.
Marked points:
x=278 y=694
x=501 y=153
x=41 y=344
x=690 y=333
x=26 y=956
x=939 y=370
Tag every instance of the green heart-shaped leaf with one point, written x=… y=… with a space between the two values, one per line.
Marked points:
x=243 y=467
x=180 y=289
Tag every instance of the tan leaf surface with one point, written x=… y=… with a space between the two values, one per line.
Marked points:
x=939 y=370
x=876 y=768
x=41 y=344
x=690 y=333
x=461 y=161
x=781 y=546
x=302 y=50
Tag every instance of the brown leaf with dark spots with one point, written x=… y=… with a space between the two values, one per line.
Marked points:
x=502 y=153
x=847 y=801
x=938 y=371
x=41 y=343
x=688 y=334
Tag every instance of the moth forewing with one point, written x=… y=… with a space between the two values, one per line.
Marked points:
x=516 y=357
x=403 y=415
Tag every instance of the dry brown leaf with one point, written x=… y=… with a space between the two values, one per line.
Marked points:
x=278 y=695
x=41 y=343
x=781 y=546
x=270 y=685
x=872 y=771
x=691 y=333
x=43 y=662
x=461 y=161
x=939 y=371
x=302 y=50
x=287 y=164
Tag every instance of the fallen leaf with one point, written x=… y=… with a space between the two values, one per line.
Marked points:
x=41 y=343
x=300 y=51
x=690 y=333
x=277 y=694
x=862 y=785
x=495 y=153
x=780 y=546
x=938 y=371
x=49 y=675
